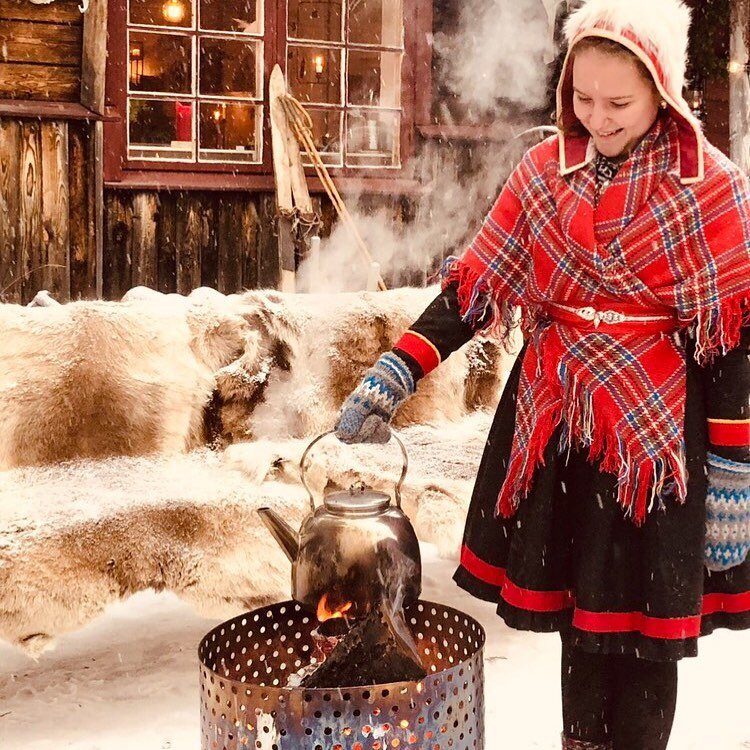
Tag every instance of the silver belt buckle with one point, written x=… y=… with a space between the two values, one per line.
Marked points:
x=591 y=314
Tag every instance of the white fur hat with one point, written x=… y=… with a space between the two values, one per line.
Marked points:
x=656 y=31
x=662 y=25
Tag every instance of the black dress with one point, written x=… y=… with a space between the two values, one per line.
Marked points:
x=569 y=560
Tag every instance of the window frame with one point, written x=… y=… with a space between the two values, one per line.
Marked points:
x=415 y=94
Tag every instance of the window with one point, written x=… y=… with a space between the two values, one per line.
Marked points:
x=195 y=80
x=343 y=63
x=187 y=84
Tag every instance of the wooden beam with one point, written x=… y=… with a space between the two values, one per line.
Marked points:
x=189 y=235
x=179 y=180
x=47 y=110
x=60 y=11
x=30 y=81
x=30 y=213
x=10 y=169
x=144 y=244
x=94 y=61
x=49 y=43
x=81 y=189
x=55 y=210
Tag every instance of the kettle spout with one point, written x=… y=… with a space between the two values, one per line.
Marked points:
x=282 y=532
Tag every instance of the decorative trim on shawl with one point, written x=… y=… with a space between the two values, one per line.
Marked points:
x=480 y=306
x=641 y=484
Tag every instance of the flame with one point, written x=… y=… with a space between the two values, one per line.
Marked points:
x=325 y=613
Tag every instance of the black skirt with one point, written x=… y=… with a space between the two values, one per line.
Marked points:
x=569 y=560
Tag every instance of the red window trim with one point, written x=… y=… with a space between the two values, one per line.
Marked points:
x=415 y=105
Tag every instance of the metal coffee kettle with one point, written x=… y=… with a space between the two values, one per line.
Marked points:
x=352 y=551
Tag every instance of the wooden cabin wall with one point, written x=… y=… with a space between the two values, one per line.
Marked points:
x=41 y=50
x=46 y=210
x=176 y=241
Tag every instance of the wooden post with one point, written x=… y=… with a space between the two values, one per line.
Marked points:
x=739 y=85
x=93 y=75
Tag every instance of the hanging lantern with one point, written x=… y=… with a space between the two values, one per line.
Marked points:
x=173 y=11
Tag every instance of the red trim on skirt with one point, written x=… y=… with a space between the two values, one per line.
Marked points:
x=601 y=622
x=729 y=432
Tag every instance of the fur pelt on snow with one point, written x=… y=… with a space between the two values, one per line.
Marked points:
x=162 y=373
x=312 y=349
x=76 y=537
x=94 y=379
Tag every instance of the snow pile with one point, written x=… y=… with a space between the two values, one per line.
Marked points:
x=130 y=680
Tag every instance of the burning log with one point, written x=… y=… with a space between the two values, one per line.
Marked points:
x=377 y=649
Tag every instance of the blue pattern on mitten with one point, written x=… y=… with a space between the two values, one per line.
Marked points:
x=727 y=513
x=365 y=415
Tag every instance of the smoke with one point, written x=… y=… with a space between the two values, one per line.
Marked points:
x=493 y=66
x=496 y=58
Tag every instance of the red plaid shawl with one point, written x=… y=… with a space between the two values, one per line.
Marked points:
x=652 y=242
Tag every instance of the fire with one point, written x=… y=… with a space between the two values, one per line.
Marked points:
x=326 y=613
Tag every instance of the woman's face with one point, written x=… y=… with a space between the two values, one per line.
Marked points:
x=613 y=101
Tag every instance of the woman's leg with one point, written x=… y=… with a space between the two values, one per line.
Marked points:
x=643 y=703
x=587 y=684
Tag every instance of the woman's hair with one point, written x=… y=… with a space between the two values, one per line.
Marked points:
x=611 y=47
x=606 y=47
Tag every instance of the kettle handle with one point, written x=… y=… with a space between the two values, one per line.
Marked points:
x=399 y=484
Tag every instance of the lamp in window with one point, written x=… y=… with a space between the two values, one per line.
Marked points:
x=136 y=63
x=318 y=65
x=173 y=11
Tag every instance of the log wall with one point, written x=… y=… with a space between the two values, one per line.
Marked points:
x=41 y=50
x=176 y=241
x=46 y=210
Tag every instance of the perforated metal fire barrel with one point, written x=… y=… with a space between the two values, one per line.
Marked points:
x=245 y=664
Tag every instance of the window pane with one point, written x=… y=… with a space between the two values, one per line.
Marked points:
x=229 y=132
x=160 y=62
x=229 y=67
x=372 y=138
x=326 y=135
x=241 y=16
x=177 y=13
x=315 y=19
x=314 y=74
x=378 y=22
x=375 y=78
x=160 y=129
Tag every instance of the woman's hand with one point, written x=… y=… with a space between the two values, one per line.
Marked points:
x=365 y=414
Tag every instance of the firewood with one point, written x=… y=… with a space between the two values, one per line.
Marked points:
x=379 y=648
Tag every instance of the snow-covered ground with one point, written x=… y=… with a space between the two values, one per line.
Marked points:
x=130 y=680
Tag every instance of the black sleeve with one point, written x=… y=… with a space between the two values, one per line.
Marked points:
x=442 y=326
x=728 y=400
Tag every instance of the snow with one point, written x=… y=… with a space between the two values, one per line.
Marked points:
x=130 y=680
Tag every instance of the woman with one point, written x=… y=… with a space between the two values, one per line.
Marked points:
x=624 y=240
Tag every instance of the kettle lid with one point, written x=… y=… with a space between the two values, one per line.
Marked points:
x=358 y=500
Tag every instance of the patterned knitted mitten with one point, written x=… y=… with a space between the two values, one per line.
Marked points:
x=727 y=513
x=568 y=743
x=365 y=414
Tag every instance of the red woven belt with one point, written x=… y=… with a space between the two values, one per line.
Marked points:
x=613 y=316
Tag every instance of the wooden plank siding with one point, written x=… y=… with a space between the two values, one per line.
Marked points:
x=177 y=241
x=46 y=213
x=41 y=49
